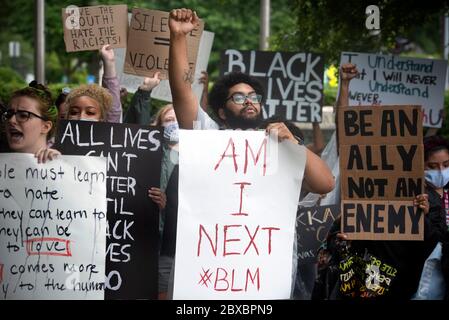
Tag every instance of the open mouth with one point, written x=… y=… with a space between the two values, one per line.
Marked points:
x=15 y=134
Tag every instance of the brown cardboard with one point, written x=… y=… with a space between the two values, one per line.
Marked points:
x=373 y=116
x=148 y=44
x=93 y=27
x=383 y=221
x=386 y=168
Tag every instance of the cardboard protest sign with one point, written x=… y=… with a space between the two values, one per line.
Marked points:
x=388 y=80
x=133 y=155
x=52 y=227
x=90 y=28
x=381 y=171
x=293 y=82
x=312 y=226
x=235 y=231
x=163 y=92
x=149 y=41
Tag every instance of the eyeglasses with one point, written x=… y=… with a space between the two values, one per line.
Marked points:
x=240 y=98
x=21 y=115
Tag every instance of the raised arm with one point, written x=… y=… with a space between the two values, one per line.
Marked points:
x=139 y=110
x=110 y=82
x=185 y=103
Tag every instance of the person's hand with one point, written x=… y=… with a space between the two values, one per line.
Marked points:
x=158 y=197
x=182 y=21
x=281 y=131
x=348 y=71
x=107 y=54
x=151 y=83
x=422 y=201
x=45 y=154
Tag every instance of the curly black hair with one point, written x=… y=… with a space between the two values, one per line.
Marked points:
x=433 y=144
x=220 y=90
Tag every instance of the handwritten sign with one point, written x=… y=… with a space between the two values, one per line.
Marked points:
x=381 y=168
x=149 y=41
x=133 y=155
x=52 y=227
x=90 y=28
x=293 y=82
x=235 y=228
x=312 y=226
x=387 y=79
x=162 y=91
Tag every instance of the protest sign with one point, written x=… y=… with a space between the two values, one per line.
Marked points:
x=312 y=226
x=293 y=82
x=235 y=229
x=162 y=91
x=90 y=28
x=381 y=171
x=133 y=155
x=52 y=227
x=149 y=41
x=388 y=80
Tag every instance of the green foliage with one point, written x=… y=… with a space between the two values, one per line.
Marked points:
x=330 y=27
x=10 y=81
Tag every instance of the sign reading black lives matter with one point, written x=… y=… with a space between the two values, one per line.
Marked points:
x=382 y=169
x=90 y=28
x=389 y=79
x=133 y=165
x=312 y=226
x=293 y=82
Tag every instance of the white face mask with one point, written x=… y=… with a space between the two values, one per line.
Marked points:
x=438 y=178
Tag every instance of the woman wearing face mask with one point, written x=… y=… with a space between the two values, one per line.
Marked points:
x=168 y=191
x=30 y=122
x=436 y=163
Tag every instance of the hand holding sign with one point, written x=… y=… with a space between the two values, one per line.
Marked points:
x=182 y=21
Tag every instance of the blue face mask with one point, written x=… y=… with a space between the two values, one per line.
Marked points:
x=171 y=132
x=438 y=178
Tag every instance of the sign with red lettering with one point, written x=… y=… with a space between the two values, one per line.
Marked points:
x=390 y=79
x=52 y=227
x=238 y=195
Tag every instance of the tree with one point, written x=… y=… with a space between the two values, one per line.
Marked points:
x=330 y=27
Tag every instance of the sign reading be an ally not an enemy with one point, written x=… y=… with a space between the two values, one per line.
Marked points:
x=133 y=156
x=381 y=172
x=388 y=79
x=293 y=82
x=238 y=194
x=149 y=41
x=90 y=28
x=52 y=227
